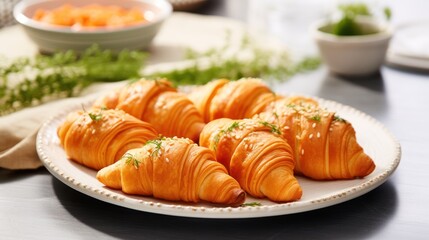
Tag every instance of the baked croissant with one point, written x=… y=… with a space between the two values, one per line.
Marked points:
x=324 y=145
x=260 y=160
x=157 y=102
x=231 y=99
x=98 y=138
x=173 y=169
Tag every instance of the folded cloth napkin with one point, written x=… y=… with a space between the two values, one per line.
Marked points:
x=18 y=130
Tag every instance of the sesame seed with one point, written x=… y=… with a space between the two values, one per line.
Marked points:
x=318 y=134
x=286 y=127
x=310 y=136
x=313 y=125
x=302 y=151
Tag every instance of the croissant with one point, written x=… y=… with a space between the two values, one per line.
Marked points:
x=174 y=169
x=157 y=102
x=231 y=99
x=260 y=160
x=324 y=145
x=98 y=138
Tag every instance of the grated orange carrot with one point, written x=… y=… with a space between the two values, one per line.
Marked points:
x=90 y=16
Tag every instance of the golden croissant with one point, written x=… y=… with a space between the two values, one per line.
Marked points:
x=232 y=99
x=100 y=137
x=157 y=102
x=324 y=145
x=174 y=169
x=255 y=155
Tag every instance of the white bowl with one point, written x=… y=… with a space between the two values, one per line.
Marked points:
x=353 y=55
x=51 y=38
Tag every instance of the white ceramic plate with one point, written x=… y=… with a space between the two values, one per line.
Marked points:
x=372 y=135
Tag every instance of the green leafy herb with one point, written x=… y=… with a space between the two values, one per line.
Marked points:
x=339 y=119
x=387 y=13
x=316 y=118
x=31 y=81
x=251 y=204
x=355 y=9
x=274 y=128
x=158 y=145
x=348 y=26
x=259 y=63
x=130 y=159
x=222 y=132
x=95 y=116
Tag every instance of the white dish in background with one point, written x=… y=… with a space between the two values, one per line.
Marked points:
x=372 y=135
x=357 y=55
x=410 y=46
x=51 y=38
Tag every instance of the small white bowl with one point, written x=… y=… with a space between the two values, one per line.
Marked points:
x=358 y=55
x=51 y=38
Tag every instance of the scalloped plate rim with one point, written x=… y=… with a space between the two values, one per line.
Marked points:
x=56 y=166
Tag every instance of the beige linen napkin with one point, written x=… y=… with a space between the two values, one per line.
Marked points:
x=18 y=130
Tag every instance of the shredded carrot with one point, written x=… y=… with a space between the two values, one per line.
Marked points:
x=91 y=16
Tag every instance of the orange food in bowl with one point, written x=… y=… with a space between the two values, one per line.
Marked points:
x=91 y=16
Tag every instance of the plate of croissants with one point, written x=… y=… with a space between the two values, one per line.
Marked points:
x=226 y=149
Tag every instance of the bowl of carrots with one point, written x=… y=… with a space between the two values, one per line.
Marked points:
x=77 y=25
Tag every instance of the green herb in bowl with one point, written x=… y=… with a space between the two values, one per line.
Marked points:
x=351 y=24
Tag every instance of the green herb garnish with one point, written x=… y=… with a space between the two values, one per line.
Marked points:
x=339 y=119
x=222 y=132
x=28 y=82
x=251 y=204
x=130 y=159
x=158 y=145
x=316 y=118
x=274 y=128
x=348 y=25
x=95 y=116
x=259 y=63
x=31 y=81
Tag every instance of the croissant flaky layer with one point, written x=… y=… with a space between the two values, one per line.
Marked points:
x=254 y=154
x=324 y=145
x=100 y=137
x=232 y=99
x=157 y=102
x=173 y=169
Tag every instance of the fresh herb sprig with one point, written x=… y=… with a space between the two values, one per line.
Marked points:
x=274 y=128
x=246 y=60
x=31 y=81
x=158 y=144
x=348 y=25
x=130 y=159
x=223 y=132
